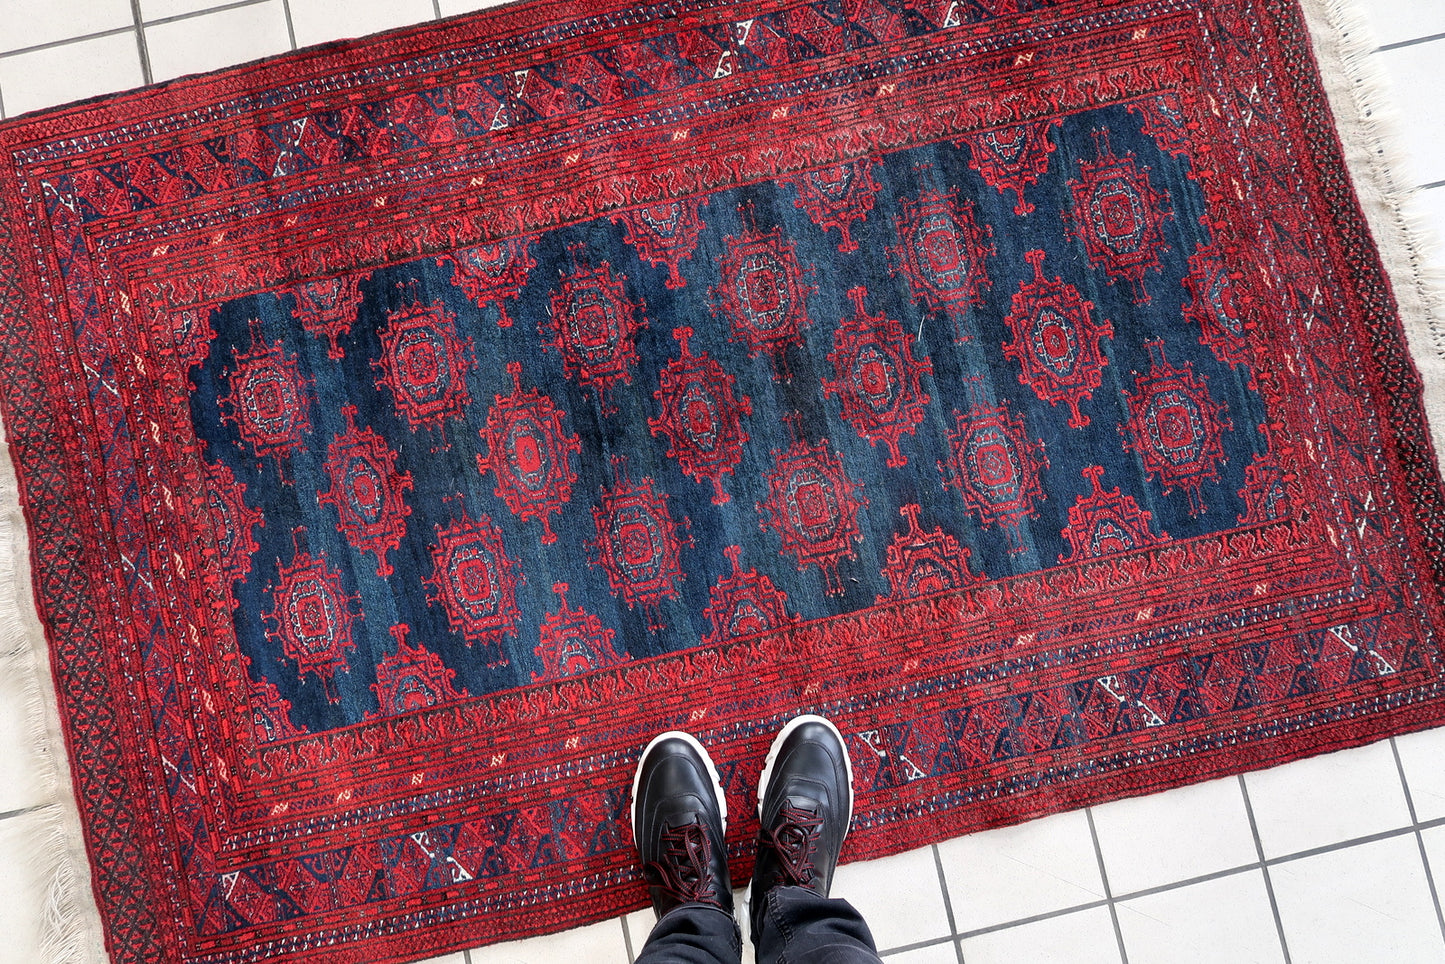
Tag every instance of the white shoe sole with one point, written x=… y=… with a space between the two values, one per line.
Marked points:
x=689 y=739
x=783 y=734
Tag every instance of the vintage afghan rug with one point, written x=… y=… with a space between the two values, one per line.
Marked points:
x=410 y=430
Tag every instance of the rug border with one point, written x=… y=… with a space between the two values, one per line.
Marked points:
x=1340 y=40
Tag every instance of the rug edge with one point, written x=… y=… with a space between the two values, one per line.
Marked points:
x=69 y=928
x=71 y=931
x=1371 y=142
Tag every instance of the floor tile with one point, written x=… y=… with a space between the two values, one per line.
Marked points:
x=1327 y=799
x=1430 y=205
x=1417 y=74
x=1392 y=21
x=153 y=10
x=28 y=23
x=1167 y=837
x=1017 y=872
x=599 y=943
x=217 y=40
x=900 y=897
x=317 y=21
x=58 y=75
x=1363 y=904
x=1083 y=937
x=639 y=925
x=451 y=8
x=1434 y=840
x=1225 y=919
x=945 y=953
x=1422 y=755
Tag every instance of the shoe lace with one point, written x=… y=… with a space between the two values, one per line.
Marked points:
x=794 y=838
x=684 y=866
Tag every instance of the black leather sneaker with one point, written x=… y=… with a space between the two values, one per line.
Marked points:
x=679 y=820
x=805 y=803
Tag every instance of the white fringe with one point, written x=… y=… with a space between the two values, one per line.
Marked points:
x=1357 y=87
x=65 y=925
x=59 y=922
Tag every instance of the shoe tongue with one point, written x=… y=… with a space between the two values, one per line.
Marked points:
x=808 y=795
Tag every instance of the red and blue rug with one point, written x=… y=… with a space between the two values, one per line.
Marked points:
x=409 y=430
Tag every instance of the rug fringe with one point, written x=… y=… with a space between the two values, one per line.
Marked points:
x=1357 y=87
x=65 y=928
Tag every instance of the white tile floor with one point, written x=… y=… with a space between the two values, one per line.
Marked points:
x=1327 y=860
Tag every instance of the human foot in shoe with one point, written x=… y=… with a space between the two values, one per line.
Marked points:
x=805 y=803
x=679 y=820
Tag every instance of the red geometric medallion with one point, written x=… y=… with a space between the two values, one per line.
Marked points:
x=1013 y=157
x=492 y=272
x=476 y=581
x=530 y=453
x=573 y=641
x=1266 y=491
x=327 y=307
x=1213 y=306
x=594 y=327
x=701 y=417
x=637 y=544
x=412 y=678
x=313 y=618
x=1056 y=341
x=923 y=563
x=763 y=293
x=1175 y=426
x=744 y=604
x=1165 y=120
x=233 y=521
x=1119 y=216
x=268 y=399
x=425 y=364
x=367 y=491
x=189 y=327
x=664 y=234
x=941 y=251
x=270 y=711
x=877 y=378
x=813 y=506
x=836 y=196
x=1104 y=523
x=995 y=467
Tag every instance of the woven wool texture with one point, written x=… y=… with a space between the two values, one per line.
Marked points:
x=408 y=431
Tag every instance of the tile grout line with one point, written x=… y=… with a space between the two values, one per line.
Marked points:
x=947 y=903
x=918 y=946
x=2 y=104
x=52 y=44
x=1419 y=837
x=1035 y=919
x=140 y=41
x=1264 y=870
x=436 y=9
x=219 y=8
x=1399 y=44
x=466 y=956
x=290 y=29
x=1104 y=879
x=1346 y=844
x=1431 y=186
x=627 y=940
x=22 y=811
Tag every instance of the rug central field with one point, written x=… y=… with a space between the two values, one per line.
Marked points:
x=409 y=431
